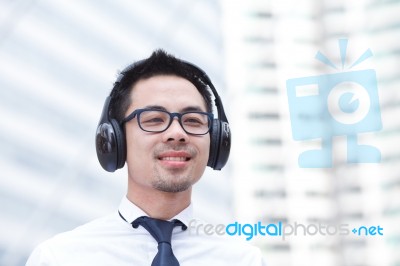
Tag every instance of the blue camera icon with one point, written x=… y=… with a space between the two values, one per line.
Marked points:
x=340 y=104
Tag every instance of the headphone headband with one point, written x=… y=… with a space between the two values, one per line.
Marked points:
x=218 y=102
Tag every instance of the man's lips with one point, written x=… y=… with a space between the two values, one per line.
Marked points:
x=178 y=159
x=175 y=159
x=179 y=156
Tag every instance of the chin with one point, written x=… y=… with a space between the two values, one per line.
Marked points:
x=172 y=187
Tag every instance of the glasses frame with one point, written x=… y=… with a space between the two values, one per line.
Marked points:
x=138 y=112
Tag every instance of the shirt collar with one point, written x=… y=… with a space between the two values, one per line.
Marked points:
x=130 y=212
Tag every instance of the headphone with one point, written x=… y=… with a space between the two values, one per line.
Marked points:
x=110 y=136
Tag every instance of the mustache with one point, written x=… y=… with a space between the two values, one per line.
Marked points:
x=176 y=147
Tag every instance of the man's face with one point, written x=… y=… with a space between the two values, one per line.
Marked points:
x=170 y=161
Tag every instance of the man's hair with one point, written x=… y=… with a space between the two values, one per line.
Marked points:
x=159 y=63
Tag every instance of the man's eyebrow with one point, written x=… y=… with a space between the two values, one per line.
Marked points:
x=186 y=109
x=156 y=107
x=192 y=109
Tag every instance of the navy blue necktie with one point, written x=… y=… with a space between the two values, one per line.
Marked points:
x=162 y=232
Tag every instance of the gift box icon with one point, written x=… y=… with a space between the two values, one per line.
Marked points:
x=339 y=104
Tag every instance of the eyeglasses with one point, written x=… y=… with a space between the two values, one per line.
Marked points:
x=150 y=120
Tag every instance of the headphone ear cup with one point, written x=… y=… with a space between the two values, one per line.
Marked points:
x=220 y=144
x=121 y=145
x=110 y=145
x=224 y=145
x=214 y=143
x=106 y=146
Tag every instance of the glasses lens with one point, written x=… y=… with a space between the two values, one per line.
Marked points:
x=196 y=123
x=158 y=121
x=154 y=121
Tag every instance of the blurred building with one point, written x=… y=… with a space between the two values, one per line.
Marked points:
x=269 y=42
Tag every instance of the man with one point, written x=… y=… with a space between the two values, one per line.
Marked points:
x=159 y=120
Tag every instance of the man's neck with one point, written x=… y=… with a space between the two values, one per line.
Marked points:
x=159 y=204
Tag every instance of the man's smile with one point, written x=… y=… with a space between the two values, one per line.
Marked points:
x=175 y=159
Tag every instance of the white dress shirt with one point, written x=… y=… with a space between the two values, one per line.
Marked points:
x=113 y=241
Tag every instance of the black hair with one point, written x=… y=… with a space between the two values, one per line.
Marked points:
x=159 y=63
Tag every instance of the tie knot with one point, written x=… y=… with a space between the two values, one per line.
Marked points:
x=160 y=230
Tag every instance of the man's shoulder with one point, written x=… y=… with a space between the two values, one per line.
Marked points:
x=75 y=240
x=233 y=251
x=213 y=240
x=101 y=227
x=230 y=244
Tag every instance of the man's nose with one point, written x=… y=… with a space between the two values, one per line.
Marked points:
x=175 y=132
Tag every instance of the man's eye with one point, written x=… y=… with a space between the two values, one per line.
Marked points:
x=193 y=121
x=154 y=120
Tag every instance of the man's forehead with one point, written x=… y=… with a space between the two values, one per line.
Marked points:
x=167 y=92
